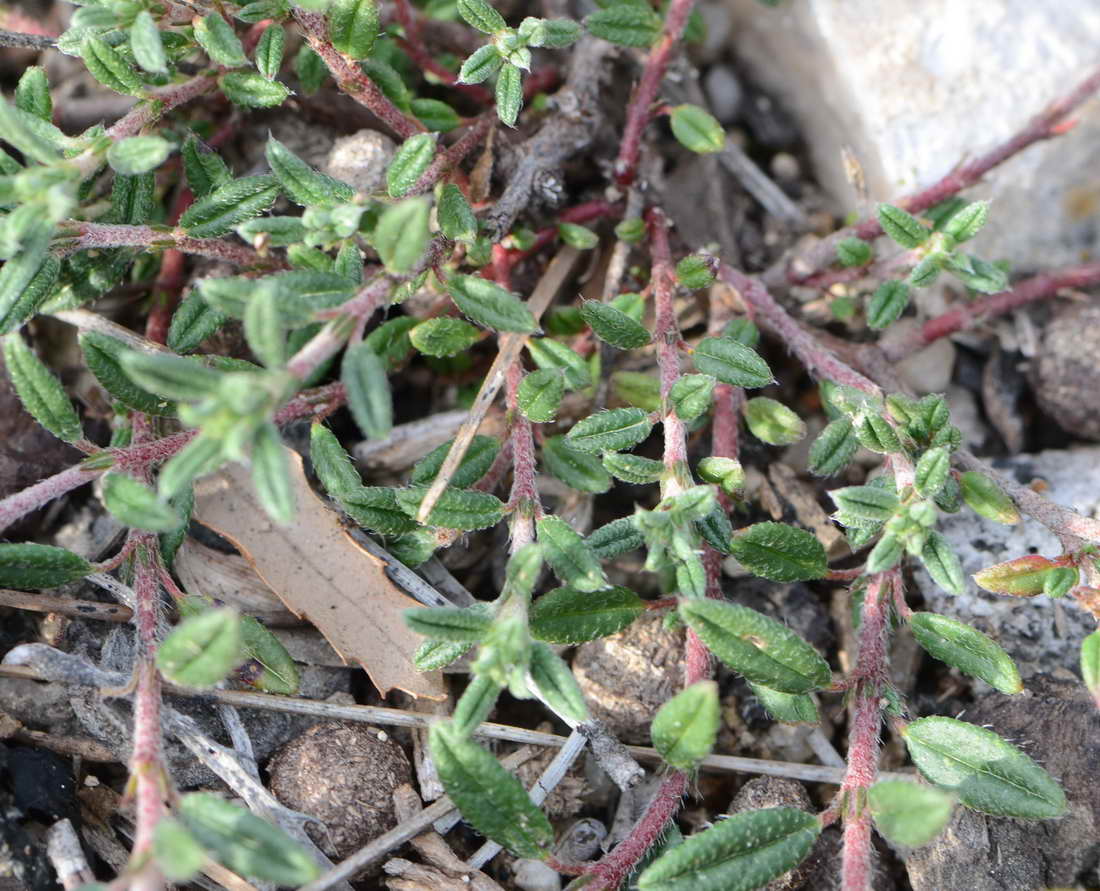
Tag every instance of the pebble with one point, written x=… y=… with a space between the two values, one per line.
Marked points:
x=724 y=92
x=361 y=160
x=1068 y=368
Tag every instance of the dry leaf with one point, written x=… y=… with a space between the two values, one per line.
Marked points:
x=231 y=579
x=322 y=575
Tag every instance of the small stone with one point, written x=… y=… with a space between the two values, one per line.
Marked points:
x=628 y=676
x=1067 y=369
x=724 y=92
x=343 y=775
x=785 y=167
x=534 y=875
x=928 y=370
x=361 y=160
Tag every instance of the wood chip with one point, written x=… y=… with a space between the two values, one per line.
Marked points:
x=322 y=575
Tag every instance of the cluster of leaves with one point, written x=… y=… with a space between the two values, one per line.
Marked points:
x=932 y=249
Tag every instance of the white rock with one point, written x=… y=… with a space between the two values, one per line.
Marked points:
x=1038 y=633
x=915 y=88
x=361 y=160
x=534 y=875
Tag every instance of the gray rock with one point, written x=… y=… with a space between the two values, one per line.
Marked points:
x=1040 y=635
x=914 y=89
x=724 y=92
x=1067 y=369
x=361 y=160
x=1057 y=724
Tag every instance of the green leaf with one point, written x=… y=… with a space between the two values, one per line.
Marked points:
x=433 y=655
x=263 y=329
x=626 y=25
x=475 y=704
x=833 y=449
x=942 y=564
x=985 y=772
x=199 y=456
x=691 y=395
x=1059 y=582
x=202 y=650
x=456 y=508
x=633 y=468
x=731 y=362
x=740 y=853
x=580 y=237
x=26 y=280
x=978 y=274
x=902 y=227
x=444 y=336
x=269 y=51
x=716 y=529
x=875 y=433
x=492 y=800
x=549 y=353
x=107 y=66
x=509 y=94
x=631 y=231
x=1022 y=577
x=252 y=90
x=987 y=499
x=353 y=26
x=401 y=234
x=138 y=154
x=697 y=130
x=40 y=392
x=540 y=393
x=230 y=205
x=488 y=304
x=475 y=463
x=437 y=116
x=724 y=472
x=866 y=502
x=458 y=624
x=32 y=94
x=456 y=219
x=134 y=504
x=555 y=682
x=550 y=33
x=205 y=170
x=780 y=553
x=790 y=708
x=271 y=475
x=614 y=326
x=696 y=271
x=616 y=537
x=172 y=377
x=932 y=470
x=302 y=184
x=278 y=673
x=409 y=163
x=331 y=463
x=218 y=39
x=482 y=64
x=763 y=650
x=966 y=649
x=103 y=355
x=572 y=560
x=1090 y=663
x=610 y=431
x=908 y=813
x=887 y=304
x=685 y=728
x=245 y=843
x=175 y=850
x=481 y=15
x=637 y=388
x=568 y=616
x=885 y=554
x=966 y=222
x=772 y=422
x=576 y=469
x=37 y=139
x=925 y=273
x=364 y=376
x=853 y=252
x=39 y=566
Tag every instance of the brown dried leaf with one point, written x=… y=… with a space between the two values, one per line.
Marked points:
x=322 y=575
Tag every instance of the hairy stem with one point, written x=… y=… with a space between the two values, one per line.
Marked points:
x=350 y=78
x=638 y=112
x=91 y=236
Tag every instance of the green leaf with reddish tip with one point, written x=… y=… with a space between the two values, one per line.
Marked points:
x=1022 y=577
x=985 y=772
x=763 y=650
x=742 y=852
x=966 y=649
x=568 y=616
x=492 y=800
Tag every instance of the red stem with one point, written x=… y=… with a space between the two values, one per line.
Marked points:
x=413 y=44
x=170 y=279
x=91 y=236
x=450 y=157
x=638 y=112
x=350 y=78
x=966 y=315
